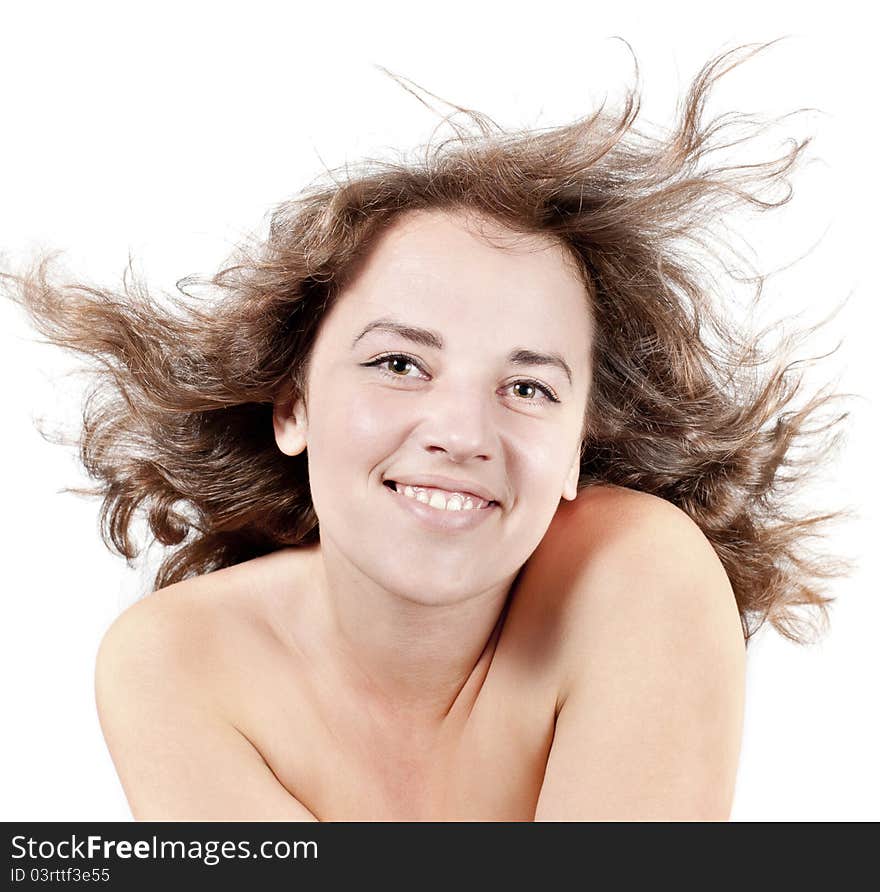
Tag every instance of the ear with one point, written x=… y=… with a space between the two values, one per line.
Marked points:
x=569 y=488
x=291 y=426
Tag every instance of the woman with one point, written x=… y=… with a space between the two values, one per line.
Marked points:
x=548 y=476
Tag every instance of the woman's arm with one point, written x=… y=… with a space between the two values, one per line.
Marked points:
x=176 y=754
x=650 y=712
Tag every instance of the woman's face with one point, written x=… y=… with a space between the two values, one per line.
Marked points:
x=455 y=366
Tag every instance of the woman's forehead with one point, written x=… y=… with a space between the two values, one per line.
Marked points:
x=442 y=262
x=419 y=238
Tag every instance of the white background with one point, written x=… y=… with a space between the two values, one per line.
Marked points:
x=170 y=131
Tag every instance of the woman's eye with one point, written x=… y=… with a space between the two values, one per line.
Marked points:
x=398 y=365
x=527 y=386
x=395 y=365
x=528 y=391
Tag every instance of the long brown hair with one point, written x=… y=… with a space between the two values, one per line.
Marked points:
x=684 y=404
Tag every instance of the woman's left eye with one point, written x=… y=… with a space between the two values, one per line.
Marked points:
x=401 y=360
x=534 y=386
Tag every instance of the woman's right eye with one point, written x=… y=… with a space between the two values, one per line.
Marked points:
x=394 y=365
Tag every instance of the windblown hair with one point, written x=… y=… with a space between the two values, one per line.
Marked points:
x=684 y=404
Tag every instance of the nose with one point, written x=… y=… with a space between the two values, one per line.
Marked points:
x=458 y=422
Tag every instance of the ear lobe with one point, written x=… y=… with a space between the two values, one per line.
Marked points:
x=290 y=425
x=570 y=487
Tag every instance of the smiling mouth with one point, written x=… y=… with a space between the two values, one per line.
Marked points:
x=392 y=485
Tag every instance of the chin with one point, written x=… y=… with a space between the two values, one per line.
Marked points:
x=440 y=586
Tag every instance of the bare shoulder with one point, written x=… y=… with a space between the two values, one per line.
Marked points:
x=190 y=627
x=652 y=664
x=170 y=609
x=168 y=630
x=161 y=677
x=618 y=549
x=611 y=518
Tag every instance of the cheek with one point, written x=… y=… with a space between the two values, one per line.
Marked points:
x=353 y=430
x=368 y=417
x=541 y=464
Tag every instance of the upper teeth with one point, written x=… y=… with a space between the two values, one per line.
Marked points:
x=440 y=498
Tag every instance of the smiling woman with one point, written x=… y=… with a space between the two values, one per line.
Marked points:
x=458 y=418
x=472 y=493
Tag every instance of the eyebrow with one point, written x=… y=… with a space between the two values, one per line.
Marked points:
x=425 y=337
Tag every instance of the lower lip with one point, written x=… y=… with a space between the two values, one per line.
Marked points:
x=439 y=519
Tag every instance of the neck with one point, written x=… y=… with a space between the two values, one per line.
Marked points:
x=412 y=664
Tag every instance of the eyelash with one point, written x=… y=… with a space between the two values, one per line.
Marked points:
x=411 y=359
